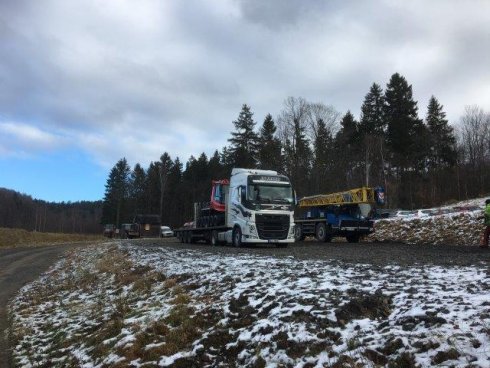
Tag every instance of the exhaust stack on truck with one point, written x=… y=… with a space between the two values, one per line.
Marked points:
x=254 y=206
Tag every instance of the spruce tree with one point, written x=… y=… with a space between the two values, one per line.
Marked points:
x=347 y=150
x=372 y=121
x=116 y=193
x=173 y=216
x=372 y=127
x=442 y=139
x=138 y=187
x=298 y=158
x=164 y=167
x=153 y=189
x=244 y=141
x=404 y=128
x=323 y=152
x=269 y=152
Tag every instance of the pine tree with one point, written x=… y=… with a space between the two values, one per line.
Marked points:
x=116 y=193
x=244 y=141
x=269 y=152
x=442 y=139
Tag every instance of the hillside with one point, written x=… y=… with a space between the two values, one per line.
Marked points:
x=21 y=211
x=462 y=226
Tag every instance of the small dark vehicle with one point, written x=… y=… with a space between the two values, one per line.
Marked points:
x=129 y=231
x=109 y=230
x=148 y=225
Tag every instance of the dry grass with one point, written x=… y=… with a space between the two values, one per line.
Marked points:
x=19 y=237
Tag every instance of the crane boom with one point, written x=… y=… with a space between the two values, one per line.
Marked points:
x=352 y=196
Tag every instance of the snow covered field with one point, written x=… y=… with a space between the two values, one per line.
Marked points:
x=125 y=305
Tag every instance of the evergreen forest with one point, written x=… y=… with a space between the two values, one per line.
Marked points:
x=23 y=212
x=412 y=151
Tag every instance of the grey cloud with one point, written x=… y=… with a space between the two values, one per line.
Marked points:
x=97 y=69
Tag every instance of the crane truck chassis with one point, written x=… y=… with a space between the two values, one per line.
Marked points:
x=326 y=216
x=255 y=206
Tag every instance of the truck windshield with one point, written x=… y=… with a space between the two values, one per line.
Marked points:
x=265 y=193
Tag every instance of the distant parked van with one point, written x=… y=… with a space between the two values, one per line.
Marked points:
x=166 y=232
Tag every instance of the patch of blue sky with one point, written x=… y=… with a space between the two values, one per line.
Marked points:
x=61 y=176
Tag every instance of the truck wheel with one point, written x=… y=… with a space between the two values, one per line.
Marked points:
x=237 y=237
x=321 y=232
x=298 y=233
x=181 y=237
x=214 y=238
x=354 y=238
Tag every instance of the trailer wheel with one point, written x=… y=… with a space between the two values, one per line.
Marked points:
x=354 y=238
x=187 y=237
x=214 y=238
x=298 y=233
x=237 y=237
x=321 y=232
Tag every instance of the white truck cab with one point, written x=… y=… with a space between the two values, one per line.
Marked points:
x=259 y=208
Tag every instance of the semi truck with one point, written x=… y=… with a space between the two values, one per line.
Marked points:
x=253 y=206
x=343 y=214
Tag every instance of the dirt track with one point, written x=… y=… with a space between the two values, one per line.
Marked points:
x=369 y=253
x=19 y=266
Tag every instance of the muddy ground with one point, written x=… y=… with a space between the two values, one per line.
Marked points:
x=367 y=253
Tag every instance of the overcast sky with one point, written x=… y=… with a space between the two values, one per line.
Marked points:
x=84 y=83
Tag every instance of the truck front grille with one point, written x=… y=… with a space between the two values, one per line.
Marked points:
x=272 y=226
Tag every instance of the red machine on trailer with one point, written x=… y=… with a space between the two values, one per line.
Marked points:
x=213 y=213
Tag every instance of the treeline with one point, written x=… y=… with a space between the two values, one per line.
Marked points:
x=23 y=212
x=421 y=161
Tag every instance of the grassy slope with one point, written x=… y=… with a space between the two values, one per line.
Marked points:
x=20 y=237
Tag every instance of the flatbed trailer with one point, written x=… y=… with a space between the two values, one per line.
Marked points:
x=206 y=234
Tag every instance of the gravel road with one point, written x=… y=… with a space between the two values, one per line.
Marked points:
x=368 y=253
x=19 y=266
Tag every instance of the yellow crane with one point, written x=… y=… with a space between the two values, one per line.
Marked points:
x=352 y=196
